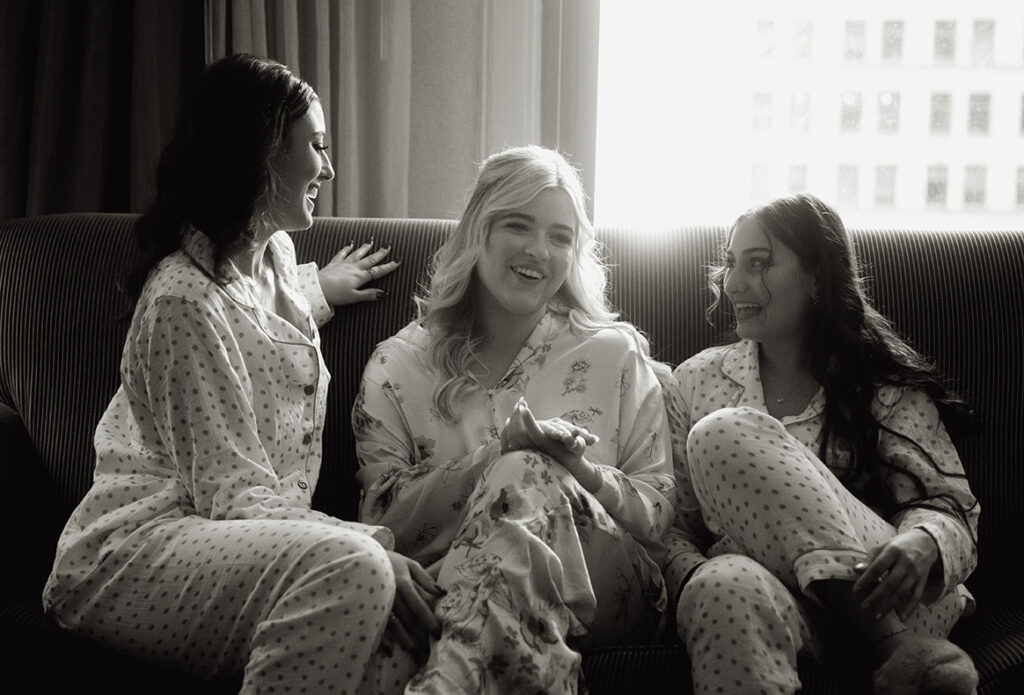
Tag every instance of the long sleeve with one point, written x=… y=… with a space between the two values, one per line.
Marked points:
x=688 y=539
x=930 y=477
x=402 y=489
x=637 y=486
x=194 y=401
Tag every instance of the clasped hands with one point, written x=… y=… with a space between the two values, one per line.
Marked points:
x=896 y=574
x=342 y=279
x=561 y=440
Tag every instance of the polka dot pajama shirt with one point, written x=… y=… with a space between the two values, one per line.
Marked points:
x=759 y=517
x=534 y=566
x=196 y=545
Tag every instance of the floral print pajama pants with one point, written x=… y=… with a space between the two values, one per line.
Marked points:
x=785 y=521
x=537 y=570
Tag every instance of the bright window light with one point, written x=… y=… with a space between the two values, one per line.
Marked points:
x=900 y=113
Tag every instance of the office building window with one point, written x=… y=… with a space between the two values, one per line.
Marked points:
x=853 y=47
x=760 y=181
x=847 y=193
x=850 y=115
x=800 y=112
x=885 y=185
x=762 y=111
x=942 y=112
x=938 y=177
x=802 y=32
x=945 y=41
x=797 y=178
x=974 y=185
x=978 y=114
x=764 y=44
x=892 y=41
x=888 y=112
x=983 y=42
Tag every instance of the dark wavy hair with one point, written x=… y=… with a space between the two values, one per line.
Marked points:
x=853 y=348
x=217 y=172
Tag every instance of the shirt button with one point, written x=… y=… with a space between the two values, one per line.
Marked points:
x=303 y=485
x=307 y=438
x=309 y=390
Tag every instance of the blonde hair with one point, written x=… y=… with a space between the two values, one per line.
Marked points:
x=447 y=309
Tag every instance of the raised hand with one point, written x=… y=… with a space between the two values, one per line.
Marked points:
x=352 y=267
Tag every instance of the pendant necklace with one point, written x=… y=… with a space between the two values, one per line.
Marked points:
x=782 y=399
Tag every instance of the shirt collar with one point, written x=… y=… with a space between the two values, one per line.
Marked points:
x=741 y=365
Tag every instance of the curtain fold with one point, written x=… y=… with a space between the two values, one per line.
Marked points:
x=89 y=92
x=416 y=94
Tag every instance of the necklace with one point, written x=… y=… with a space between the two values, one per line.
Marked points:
x=782 y=399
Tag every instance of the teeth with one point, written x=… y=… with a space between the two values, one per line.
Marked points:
x=528 y=272
x=746 y=305
x=313 y=191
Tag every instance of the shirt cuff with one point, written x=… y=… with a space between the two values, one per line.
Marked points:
x=309 y=283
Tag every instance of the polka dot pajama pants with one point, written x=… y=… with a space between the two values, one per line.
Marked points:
x=536 y=569
x=301 y=606
x=784 y=521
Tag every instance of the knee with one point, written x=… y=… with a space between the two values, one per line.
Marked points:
x=716 y=438
x=352 y=564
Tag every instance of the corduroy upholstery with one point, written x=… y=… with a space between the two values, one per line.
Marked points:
x=957 y=297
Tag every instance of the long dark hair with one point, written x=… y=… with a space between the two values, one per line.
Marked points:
x=217 y=172
x=853 y=349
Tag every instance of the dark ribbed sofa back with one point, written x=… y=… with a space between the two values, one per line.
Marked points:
x=956 y=296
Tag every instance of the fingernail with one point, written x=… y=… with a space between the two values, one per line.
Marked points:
x=860 y=566
x=381 y=294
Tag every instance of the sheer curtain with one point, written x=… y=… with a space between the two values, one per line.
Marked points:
x=416 y=94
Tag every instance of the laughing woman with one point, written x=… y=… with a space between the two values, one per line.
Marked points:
x=817 y=487
x=196 y=545
x=514 y=439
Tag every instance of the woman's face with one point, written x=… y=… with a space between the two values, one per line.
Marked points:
x=303 y=167
x=770 y=291
x=526 y=257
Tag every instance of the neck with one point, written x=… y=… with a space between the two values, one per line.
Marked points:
x=787 y=359
x=251 y=261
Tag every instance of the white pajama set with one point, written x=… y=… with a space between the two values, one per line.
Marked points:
x=196 y=545
x=533 y=565
x=759 y=517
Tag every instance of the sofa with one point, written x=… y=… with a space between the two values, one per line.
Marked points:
x=956 y=296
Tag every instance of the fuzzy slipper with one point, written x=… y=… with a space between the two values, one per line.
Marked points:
x=927 y=665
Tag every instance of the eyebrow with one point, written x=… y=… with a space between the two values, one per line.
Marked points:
x=533 y=220
x=753 y=249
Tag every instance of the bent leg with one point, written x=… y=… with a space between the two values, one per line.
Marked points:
x=743 y=628
x=519 y=582
x=291 y=602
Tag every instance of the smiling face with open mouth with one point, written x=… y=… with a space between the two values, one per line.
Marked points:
x=526 y=258
x=303 y=167
x=770 y=290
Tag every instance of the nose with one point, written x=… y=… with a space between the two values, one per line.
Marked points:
x=326 y=169
x=537 y=247
x=733 y=281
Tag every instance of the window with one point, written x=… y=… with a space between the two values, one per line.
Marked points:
x=942 y=112
x=800 y=112
x=763 y=111
x=937 y=181
x=802 y=32
x=850 y=116
x=945 y=41
x=853 y=47
x=760 y=181
x=847 y=193
x=1020 y=187
x=764 y=44
x=892 y=41
x=888 y=112
x=977 y=116
x=974 y=185
x=885 y=185
x=983 y=42
x=798 y=178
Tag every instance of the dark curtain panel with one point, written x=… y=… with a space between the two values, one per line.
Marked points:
x=89 y=91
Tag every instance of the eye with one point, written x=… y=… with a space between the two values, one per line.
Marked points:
x=562 y=238
x=320 y=147
x=515 y=226
x=758 y=263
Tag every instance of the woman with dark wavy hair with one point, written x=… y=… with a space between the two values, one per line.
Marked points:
x=197 y=546
x=818 y=491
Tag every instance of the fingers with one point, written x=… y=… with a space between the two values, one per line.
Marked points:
x=889 y=582
x=376 y=272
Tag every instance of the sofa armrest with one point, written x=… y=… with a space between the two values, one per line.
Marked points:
x=31 y=517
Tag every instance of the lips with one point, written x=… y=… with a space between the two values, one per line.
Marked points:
x=527 y=272
x=746 y=310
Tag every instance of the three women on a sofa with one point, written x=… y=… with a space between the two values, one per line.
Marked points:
x=513 y=441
